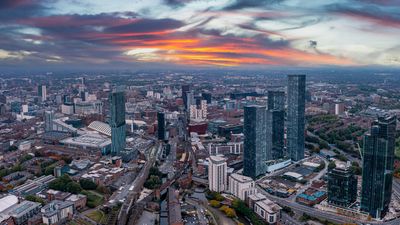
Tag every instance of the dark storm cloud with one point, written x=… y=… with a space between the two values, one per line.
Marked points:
x=11 y=10
x=175 y=3
x=146 y=25
x=240 y=4
x=383 y=16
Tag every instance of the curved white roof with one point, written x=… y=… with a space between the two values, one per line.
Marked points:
x=7 y=202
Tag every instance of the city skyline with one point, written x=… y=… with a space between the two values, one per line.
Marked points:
x=176 y=33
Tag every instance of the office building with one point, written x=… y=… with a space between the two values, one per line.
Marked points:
x=254 y=141
x=377 y=174
x=117 y=121
x=57 y=212
x=217 y=173
x=185 y=89
x=339 y=108
x=295 y=118
x=241 y=186
x=268 y=210
x=21 y=212
x=342 y=186
x=42 y=92
x=48 y=120
x=206 y=96
x=174 y=207
x=161 y=125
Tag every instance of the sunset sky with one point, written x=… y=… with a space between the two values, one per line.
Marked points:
x=220 y=33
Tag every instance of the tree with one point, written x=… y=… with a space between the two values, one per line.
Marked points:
x=65 y=183
x=332 y=165
x=153 y=182
x=87 y=184
x=215 y=203
x=73 y=187
x=49 y=170
x=230 y=212
x=34 y=198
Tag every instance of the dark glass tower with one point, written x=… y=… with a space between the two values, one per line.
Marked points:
x=342 y=187
x=254 y=141
x=378 y=154
x=275 y=134
x=275 y=119
x=117 y=121
x=185 y=90
x=295 y=118
x=206 y=96
x=276 y=100
x=161 y=125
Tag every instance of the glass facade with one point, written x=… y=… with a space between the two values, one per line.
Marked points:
x=254 y=141
x=161 y=125
x=378 y=154
x=275 y=134
x=295 y=118
x=276 y=100
x=117 y=121
x=342 y=187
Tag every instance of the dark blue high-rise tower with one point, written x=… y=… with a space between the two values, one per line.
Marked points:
x=275 y=119
x=377 y=173
x=117 y=121
x=295 y=118
x=254 y=141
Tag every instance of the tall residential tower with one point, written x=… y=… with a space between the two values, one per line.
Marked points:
x=254 y=141
x=117 y=121
x=275 y=119
x=377 y=173
x=295 y=118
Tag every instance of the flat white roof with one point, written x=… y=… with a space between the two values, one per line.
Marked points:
x=241 y=178
x=7 y=201
x=311 y=164
x=293 y=174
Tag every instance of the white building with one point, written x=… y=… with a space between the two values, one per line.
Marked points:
x=57 y=212
x=268 y=210
x=85 y=108
x=217 y=173
x=67 y=109
x=241 y=186
x=339 y=108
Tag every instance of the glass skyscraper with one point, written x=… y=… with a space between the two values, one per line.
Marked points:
x=161 y=125
x=254 y=141
x=295 y=118
x=377 y=175
x=275 y=119
x=117 y=121
x=276 y=100
x=342 y=187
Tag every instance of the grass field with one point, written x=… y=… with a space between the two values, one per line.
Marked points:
x=98 y=216
x=94 y=199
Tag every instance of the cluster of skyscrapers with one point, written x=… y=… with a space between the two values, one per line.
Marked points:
x=377 y=172
x=264 y=128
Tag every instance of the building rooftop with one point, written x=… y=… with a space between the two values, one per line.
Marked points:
x=217 y=159
x=20 y=209
x=269 y=206
x=7 y=201
x=100 y=127
x=241 y=178
x=88 y=140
